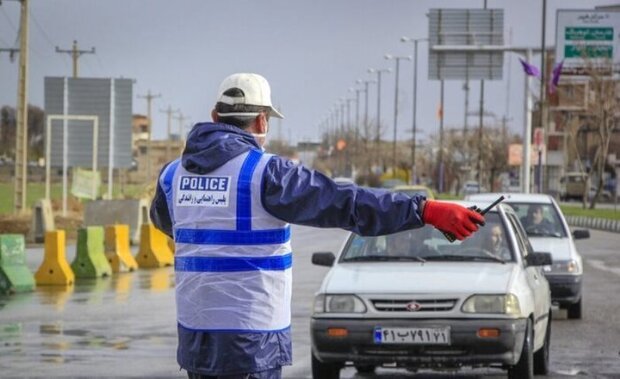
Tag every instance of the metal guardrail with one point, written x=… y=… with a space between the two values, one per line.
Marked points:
x=604 y=224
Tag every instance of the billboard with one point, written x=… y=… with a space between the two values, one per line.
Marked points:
x=465 y=28
x=588 y=39
x=108 y=99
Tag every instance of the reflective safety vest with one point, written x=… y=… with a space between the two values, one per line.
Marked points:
x=232 y=258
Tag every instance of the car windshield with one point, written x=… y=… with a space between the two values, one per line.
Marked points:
x=489 y=244
x=539 y=220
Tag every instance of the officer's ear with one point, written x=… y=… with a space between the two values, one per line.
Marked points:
x=262 y=122
x=214 y=115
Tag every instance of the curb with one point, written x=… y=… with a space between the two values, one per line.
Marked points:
x=603 y=224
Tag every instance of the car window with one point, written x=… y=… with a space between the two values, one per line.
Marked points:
x=522 y=241
x=539 y=220
x=427 y=243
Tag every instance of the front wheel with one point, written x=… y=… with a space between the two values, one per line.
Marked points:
x=524 y=369
x=322 y=370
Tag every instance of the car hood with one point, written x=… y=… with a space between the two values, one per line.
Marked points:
x=560 y=248
x=430 y=277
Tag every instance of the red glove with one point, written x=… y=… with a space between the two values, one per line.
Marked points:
x=452 y=218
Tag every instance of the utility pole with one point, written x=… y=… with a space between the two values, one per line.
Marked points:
x=21 y=140
x=181 y=118
x=481 y=129
x=378 y=159
x=169 y=112
x=542 y=109
x=149 y=98
x=75 y=54
x=415 y=102
x=440 y=171
x=397 y=59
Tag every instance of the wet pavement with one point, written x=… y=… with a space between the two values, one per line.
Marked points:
x=123 y=325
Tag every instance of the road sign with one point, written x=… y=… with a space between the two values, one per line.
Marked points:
x=108 y=99
x=587 y=39
x=465 y=27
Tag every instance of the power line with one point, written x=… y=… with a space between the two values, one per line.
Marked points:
x=45 y=35
x=40 y=28
x=4 y=42
x=99 y=62
x=8 y=19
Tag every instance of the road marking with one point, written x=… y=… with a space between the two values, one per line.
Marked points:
x=603 y=266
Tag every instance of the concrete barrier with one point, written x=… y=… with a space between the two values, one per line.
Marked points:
x=55 y=269
x=154 y=251
x=42 y=220
x=603 y=224
x=90 y=260
x=14 y=274
x=131 y=212
x=117 y=249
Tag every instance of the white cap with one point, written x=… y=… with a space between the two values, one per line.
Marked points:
x=256 y=91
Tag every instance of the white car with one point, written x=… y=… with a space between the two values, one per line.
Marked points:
x=548 y=231
x=414 y=300
x=470 y=187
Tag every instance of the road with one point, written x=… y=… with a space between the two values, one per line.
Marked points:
x=587 y=348
x=125 y=325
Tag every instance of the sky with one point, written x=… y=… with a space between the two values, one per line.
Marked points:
x=311 y=51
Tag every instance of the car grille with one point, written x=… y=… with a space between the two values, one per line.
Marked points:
x=425 y=305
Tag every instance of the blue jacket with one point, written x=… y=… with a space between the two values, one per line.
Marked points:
x=292 y=193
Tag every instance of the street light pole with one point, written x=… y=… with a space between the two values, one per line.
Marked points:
x=366 y=126
x=415 y=102
x=378 y=71
x=397 y=59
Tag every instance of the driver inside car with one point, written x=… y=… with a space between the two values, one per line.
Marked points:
x=536 y=221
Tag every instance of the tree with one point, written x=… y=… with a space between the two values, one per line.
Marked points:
x=36 y=132
x=599 y=116
x=459 y=156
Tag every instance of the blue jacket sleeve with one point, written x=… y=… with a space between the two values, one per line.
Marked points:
x=159 y=212
x=298 y=195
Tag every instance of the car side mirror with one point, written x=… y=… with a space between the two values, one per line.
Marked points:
x=581 y=234
x=323 y=259
x=539 y=259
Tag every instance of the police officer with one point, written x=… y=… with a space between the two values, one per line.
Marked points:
x=228 y=206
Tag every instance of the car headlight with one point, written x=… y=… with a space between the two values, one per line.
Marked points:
x=563 y=267
x=338 y=304
x=506 y=304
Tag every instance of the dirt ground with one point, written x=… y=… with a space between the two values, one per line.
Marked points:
x=21 y=223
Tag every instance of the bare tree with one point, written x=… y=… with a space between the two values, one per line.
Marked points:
x=36 y=123
x=599 y=116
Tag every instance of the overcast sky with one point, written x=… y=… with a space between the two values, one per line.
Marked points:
x=311 y=51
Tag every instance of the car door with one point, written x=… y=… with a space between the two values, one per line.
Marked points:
x=535 y=280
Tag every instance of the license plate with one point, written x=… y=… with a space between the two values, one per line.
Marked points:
x=414 y=336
